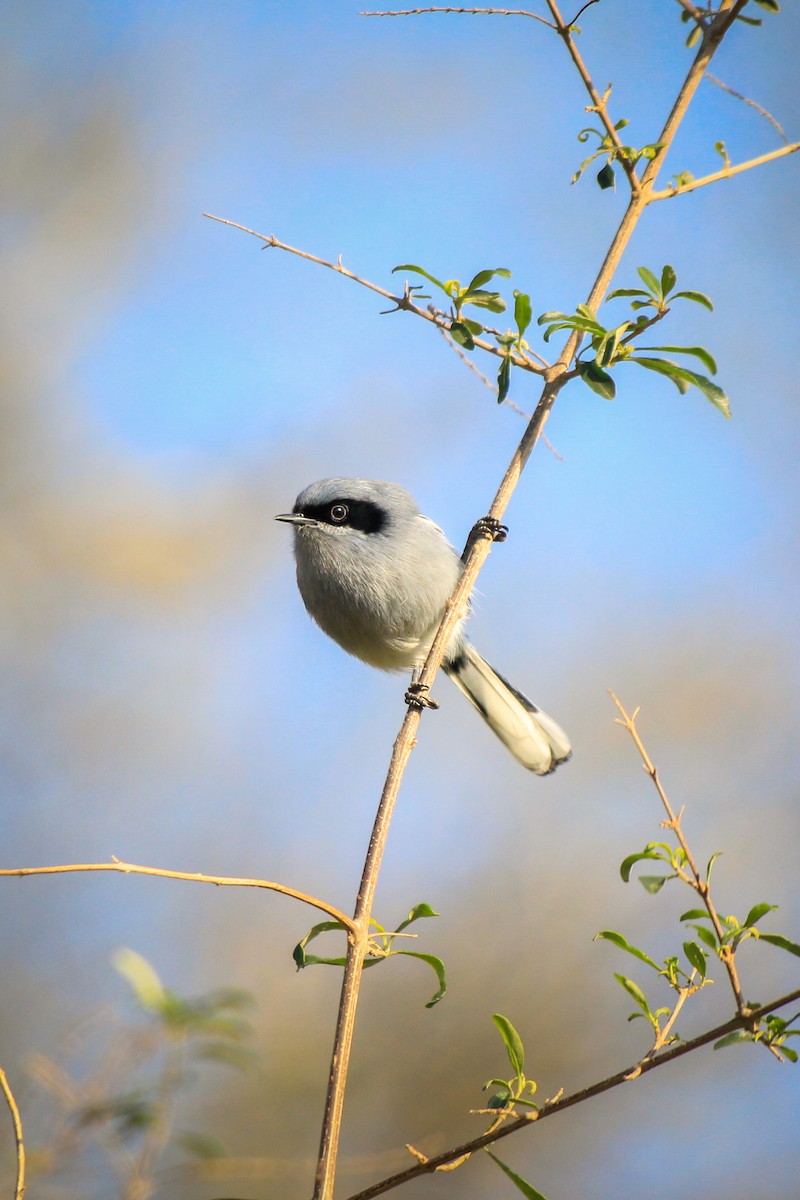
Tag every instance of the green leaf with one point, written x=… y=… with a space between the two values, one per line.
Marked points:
x=417 y=912
x=711 y=862
x=617 y=939
x=597 y=379
x=738 y=1035
x=697 y=297
x=682 y=378
x=437 y=966
x=697 y=351
x=757 y=912
x=306 y=960
x=776 y=939
x=484 y=276
x=200 y=1145
x=606 y=178
x=523 y=313
x=694 y=914
x=461 y=333
x=632 y=859
x=517 y=1180
x=635 y=992
x=654 y=883
x=513 y=1043
x=650 y=282
x=475 y=327
x=503 y=379
x=419 y=271
x=142 y=977
x=668 y=280
x=483 y=299
x=770 y=5
x=625 y=292
x=706 y=936
x=696 y=957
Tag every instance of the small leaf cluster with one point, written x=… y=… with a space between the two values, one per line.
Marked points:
x=614 y=345
x=719 y=936
x=771 y=6
x=212 y=1026
x=381 y=947
x=773 y=1032
x=677 y=976
x=463 y=330
x=735 y=932
x=183 y=1031
x=511 y=1091
x=612 y=153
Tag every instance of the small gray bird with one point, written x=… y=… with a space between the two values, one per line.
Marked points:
x=375 y=575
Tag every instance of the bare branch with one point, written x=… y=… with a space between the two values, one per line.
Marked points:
x=726 y=173
x=441 y=1161
x=16 y=1120
x=192 y=877
x=486 y=12
x=746 y=100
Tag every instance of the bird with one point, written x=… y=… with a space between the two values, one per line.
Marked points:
x=375 y=575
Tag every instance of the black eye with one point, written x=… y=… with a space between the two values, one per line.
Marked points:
x=339 y=513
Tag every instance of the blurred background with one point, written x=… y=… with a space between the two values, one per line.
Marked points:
x=168 y=387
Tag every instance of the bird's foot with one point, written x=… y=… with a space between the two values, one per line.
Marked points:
x=417 y=697
x=491 y=527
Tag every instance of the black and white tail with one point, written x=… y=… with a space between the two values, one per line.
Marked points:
x=533 y=738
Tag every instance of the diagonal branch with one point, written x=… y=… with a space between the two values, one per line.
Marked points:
x=475 y=556
x=725 y=173
x=404 y=302
x=628 y=1075
x=193 y=877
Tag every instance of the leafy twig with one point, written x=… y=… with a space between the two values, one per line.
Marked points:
x=725 y=173
x=443 y=1160
x=697 y=881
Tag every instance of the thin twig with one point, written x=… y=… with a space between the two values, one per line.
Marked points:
x=698 y=882
x=564 y=30
x=681 y=189
x=16 y=1120
x=746 y=100
x=486 y=12
x=405 y=302
x=441 y=1161
x=467 y=361
x=192 y=877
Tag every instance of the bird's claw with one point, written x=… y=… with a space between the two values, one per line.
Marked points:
x=417 y=697
x=489 y=526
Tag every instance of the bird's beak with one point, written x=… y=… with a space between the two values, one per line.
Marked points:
x=295 y=519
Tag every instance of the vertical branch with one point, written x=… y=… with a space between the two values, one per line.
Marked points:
x=16 y=1120
x=474 y=559
x=357 y=945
